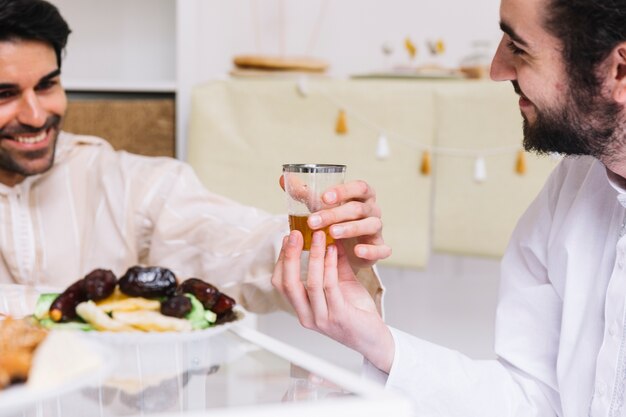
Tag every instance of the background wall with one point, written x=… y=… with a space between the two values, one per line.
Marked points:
x=348 y=33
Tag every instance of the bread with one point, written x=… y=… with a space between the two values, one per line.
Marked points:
x=278 y=63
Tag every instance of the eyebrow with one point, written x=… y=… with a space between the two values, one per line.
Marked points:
x=506 y=28
x=50 y=75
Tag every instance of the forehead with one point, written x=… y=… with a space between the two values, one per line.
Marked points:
x=23 y=62
x=526 y=18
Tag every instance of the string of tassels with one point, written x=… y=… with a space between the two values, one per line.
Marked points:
x=383 y=148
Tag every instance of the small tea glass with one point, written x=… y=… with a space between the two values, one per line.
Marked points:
x=304 y=186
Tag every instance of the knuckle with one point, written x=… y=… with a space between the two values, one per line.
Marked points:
x=288 y=288
x=307 y=324
x=358 y=209
x=316 y=254
x=275 y=283
x=363 y=188
x=321 y=323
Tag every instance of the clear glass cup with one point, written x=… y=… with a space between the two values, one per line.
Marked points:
x=304 y=186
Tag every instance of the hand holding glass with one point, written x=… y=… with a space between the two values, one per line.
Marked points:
x=304 y=185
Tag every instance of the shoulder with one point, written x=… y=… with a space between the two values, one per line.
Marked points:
x=73 y=148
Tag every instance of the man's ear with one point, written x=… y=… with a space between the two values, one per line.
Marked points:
x=618 y=73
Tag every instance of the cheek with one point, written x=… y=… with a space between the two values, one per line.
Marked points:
x=560 y=87
x=56 y=103
x=8 y=114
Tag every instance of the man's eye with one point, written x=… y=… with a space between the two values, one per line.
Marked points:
x=4 y=94
x=514 y=49
x=45 y=85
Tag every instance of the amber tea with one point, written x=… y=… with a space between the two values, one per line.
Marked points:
x=299 y=223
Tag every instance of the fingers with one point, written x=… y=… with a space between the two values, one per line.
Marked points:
x=287 y=278
x=334 y=298
x=353 y=190
x=352 y=210
x=315 y=276
x=370 y=226
x=372 y=252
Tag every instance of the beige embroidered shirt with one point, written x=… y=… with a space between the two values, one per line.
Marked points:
x=98 y=208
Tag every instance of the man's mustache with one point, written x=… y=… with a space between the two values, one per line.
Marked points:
x=12 y=131
x=517 y=88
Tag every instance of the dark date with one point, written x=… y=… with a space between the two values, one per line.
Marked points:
x=177 y=306
x=99 y=284
x=210 y=297
x=148 y=282
x=63 y=308
x=206 y=293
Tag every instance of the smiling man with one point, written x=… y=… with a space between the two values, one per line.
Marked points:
x=70 y=204
x=32 y=103
x=561 y=318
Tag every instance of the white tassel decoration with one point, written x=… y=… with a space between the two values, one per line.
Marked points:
x=303 y=86
x=382 y=148
x=480 y=170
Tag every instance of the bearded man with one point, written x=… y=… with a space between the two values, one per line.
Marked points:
x=561 y=317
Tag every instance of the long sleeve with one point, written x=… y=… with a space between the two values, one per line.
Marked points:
x=195 y=233
x=522 y=380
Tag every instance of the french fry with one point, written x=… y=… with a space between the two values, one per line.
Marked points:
x=129 y=304
x=100 y=320
x=151 y=321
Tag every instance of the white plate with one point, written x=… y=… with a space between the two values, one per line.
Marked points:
x=19 y=397
x=19 y=301
x=133 y=338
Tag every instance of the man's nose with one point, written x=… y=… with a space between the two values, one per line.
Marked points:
x=502 y=68
x=30 y=111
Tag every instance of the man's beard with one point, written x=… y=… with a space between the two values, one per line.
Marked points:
x=586 y=124
x=9 y=164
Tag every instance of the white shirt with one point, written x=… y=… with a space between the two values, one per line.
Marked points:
x=97 y=208
x=560 y=329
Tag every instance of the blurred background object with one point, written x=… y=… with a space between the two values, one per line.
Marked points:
x=477 y=62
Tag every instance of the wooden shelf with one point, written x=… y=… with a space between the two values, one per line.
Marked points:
x=124 y=86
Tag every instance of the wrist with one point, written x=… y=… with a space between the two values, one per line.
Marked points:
x=380 y=350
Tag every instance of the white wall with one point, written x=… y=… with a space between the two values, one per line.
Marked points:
x=119 y=40
x=351 y=32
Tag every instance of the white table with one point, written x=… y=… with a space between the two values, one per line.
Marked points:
x=237 y=372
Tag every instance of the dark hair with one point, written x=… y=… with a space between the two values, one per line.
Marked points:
x=33 y=20
x=589 y=31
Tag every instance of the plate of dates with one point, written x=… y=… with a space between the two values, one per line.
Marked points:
x=146 y=304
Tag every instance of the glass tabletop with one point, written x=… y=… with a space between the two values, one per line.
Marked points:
x=238 y=370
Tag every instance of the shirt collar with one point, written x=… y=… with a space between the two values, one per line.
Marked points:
x=619 y=184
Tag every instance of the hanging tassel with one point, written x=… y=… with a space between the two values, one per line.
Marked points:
x=382 y=148
x=520 y=164
x=341 y=127
x=303 y=86
x=480 y=170
x=426 y=167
